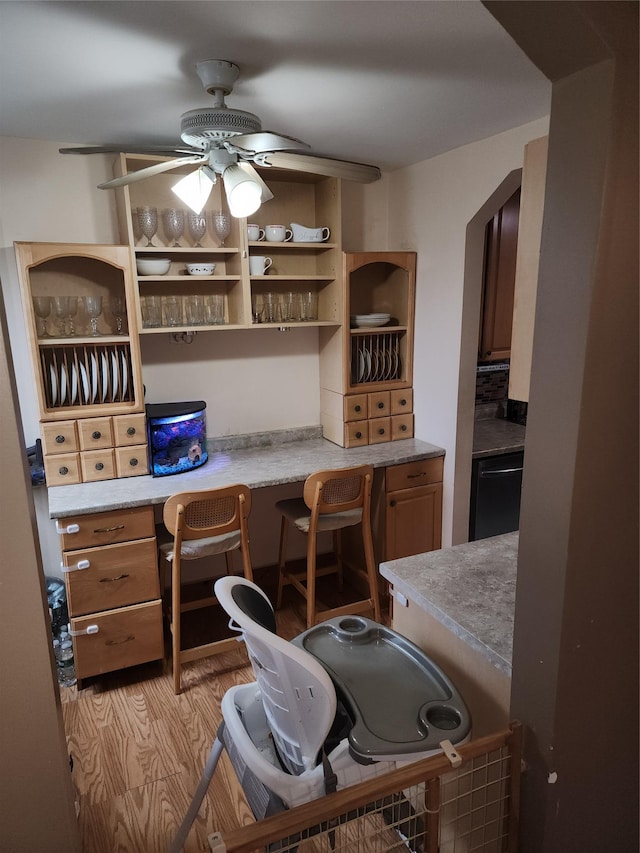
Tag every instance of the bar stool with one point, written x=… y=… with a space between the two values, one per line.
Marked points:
x=202 y=524
x=332 y=500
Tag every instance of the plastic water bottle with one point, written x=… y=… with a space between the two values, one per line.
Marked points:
x=63 y=649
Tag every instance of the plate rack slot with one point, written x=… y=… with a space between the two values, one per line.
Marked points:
x=83 y=375
x=376 y=357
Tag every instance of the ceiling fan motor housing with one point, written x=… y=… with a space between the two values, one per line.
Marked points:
x=199 y=127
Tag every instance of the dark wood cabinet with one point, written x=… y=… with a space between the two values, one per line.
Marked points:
x=496 y=315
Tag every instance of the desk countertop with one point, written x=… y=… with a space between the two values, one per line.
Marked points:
x=470 y=589
x=273 y=465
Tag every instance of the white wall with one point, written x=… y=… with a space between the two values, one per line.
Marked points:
x=429 y=207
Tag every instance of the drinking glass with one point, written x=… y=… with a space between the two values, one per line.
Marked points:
x=214 y=309
x=42 y=308
x=61 y=312
x=118 y=310
x=221 y=225
x=173 y=311
x=151 y=307
x=173 y=221
x=148 y=219
x=93 y=308
x=197 y=227
x=194 y=309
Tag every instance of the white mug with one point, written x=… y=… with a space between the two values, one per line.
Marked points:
x=255 y=232
x=259 y=264
x=278 y=234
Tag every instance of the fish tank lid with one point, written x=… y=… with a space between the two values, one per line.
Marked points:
x=174 y=410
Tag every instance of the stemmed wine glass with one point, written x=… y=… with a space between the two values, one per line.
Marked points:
x=93 y=307
x=221 y=225
x=42 y=308
x=197 y=227
x=148 y=219
x=173 y=221
x=118 y=311
x=61 y=312
x=71 y=313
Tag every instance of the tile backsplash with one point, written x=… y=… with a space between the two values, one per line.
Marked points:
x=492 y=382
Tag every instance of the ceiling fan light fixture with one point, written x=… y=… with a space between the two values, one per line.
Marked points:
x=244 y=194
x=195 y=188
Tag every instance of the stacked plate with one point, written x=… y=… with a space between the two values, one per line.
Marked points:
x=370 y=321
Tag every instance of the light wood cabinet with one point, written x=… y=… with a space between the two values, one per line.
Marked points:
x=110 y=567
x=413 y=508
x=371 y=366
x=85 y=382
x=297 y=268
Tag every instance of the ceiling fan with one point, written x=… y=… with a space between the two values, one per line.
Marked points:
x=226 y=142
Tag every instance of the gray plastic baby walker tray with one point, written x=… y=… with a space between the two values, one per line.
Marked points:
x=400 y=701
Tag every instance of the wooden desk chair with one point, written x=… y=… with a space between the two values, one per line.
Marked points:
x=332 y=500
x=204 y=523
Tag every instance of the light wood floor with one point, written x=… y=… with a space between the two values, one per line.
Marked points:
x=138 y=750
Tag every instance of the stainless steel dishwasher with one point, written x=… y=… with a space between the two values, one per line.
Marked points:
x=496 y=483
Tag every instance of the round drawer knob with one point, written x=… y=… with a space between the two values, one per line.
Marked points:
x=358 y=435
x=133 y=462
x=60 y=439
x=99 y=466
x=392 y=503
x=403 y=402
x=381 y=431
x=96 y=434
x=381 y=405
x=358 y=408
x=131 y=431
x=403 y=428
x=63 y=471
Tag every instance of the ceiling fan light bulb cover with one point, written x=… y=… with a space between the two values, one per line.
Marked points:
x=194 y=189
x=244 y=195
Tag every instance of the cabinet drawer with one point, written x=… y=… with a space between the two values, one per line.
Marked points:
x=413 y=474
x=356 y=434
x=95 y=433
x=379 y=404
x=131 y=461
x=62 y=470
x=355 y=408
x=107 y=528
x=129 y=429
x=401 y=426
x=402 y=401
x=379 y=430
x=116 y=575
x=124 y=637
x=97 y=465
x=60 y=437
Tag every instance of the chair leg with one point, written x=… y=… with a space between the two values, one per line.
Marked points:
x=337 y=549
x=175 y=624
x=281 y=560
x=311 y=580
x=228 y=557
x=371 y=568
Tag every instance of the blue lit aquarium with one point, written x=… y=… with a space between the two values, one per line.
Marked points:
x=177 y=435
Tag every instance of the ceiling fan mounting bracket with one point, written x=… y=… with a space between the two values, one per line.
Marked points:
x=217 y=75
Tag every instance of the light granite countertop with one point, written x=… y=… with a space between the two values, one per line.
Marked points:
x=266 y=465
x=470 y=589
x=495 y=436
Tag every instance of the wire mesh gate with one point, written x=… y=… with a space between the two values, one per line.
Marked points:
x=425 y=807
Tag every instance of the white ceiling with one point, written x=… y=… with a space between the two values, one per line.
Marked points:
x=387 y=83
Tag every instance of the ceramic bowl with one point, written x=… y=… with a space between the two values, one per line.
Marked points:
x=200 y=269
x=153 y=266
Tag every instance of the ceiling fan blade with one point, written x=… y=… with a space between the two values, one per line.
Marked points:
x=256 y=143
x=141 y=174
x=320 y=166
x=159 y=150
